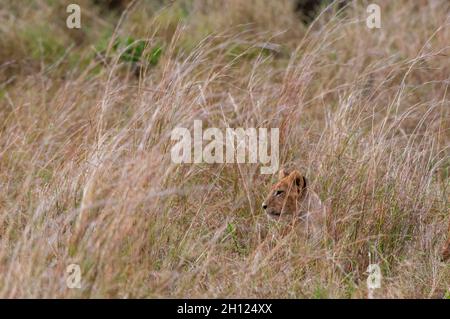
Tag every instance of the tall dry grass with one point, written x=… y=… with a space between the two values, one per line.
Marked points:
x=86 y=175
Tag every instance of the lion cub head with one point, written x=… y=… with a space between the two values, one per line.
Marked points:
x=446 y=252
x=285 y=197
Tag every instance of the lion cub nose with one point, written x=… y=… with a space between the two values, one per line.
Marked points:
x=264 y=206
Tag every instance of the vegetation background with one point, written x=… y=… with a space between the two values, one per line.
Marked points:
x=85 y=169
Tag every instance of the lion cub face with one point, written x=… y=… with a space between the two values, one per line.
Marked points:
x=446 y=252
x=285 y=196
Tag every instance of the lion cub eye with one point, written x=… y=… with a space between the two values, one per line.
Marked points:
x=279 y=192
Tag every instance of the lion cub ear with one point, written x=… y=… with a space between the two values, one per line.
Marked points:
x=298 y=180
x=282 y=173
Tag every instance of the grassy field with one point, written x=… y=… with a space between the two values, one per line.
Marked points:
x=86 y=175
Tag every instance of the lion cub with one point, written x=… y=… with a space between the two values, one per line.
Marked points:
x=292 y=198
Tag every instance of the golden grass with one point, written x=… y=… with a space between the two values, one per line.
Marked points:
x=86 y=175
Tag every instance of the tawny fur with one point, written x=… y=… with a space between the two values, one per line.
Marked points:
x=292 y=198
